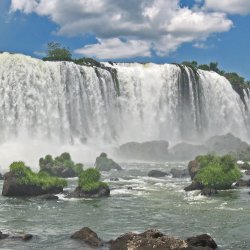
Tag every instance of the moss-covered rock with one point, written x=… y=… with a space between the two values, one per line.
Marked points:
x=215 y=172
x=103 y=163
x=22 y=181
x=61 y=166
x=89 y=185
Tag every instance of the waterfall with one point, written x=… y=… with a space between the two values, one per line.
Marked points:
x=62 y=103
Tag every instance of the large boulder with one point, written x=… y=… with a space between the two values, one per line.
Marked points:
x=193 y=167
x=157 y=173
x=224 y=144
x=179 y=173
x=194 y=186
x=101 y=191
x=154 y=239
x=12 y=187
x=151 y=239
x=146 y=151
x=88 y=236
x=103 y=163
x=185 y=151
x=203 y=240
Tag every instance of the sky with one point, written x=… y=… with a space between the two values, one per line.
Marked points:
x=159 y=31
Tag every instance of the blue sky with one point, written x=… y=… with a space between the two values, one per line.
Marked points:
x=127 y=30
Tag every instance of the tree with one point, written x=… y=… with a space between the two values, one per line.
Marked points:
x=55 y=52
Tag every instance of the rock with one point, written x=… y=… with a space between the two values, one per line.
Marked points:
x=103 y=163
x=129 y=188
x=102 y=191
x=224 y=144
x=1 y=177
x=193 y=167
x=147 y=151
x=245 y=166
x=49 y=197
x=27 y=237
x=208 y=191
x=88 y=236
x=11 y=187
x=247 y=172
x=151 y=239
x=185 y=151
x=242 y=183
x=203 y=240
x=179 y=173
x=157 y=173
x=194 y=186
x=114 y=179
x=3 y=236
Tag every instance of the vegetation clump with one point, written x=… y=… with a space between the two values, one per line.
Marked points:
x=62 y=166
x=89 y=180
x=27 y=177
x=217 y=172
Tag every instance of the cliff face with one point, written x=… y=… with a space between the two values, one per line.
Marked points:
x=116 y=103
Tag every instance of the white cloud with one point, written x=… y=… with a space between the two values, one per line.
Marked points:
x=161 y=25
x=229 y=6
x=114 y=48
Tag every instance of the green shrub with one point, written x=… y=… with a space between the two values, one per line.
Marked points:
x=26 y=176
x=217 y=172
x=55 y=166
x=90 y=180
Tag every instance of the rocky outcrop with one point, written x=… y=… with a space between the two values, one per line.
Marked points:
x=193 y=167
x=101 y=191
x=224 y=144
x=154 y=239
x=194 y=186
x=179 y=173
x=103 y=163
x=88 y=236
x=208 y=191
x=12 y=187
x=185 y=151
x=24 y=237
x=147 y=151
x=157 y=173
x=242 y=183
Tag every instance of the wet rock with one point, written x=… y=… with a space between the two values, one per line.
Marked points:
x=49 y=197
x=242 y=183
x=88 y=236
x=1 y=177
x=3 y=236
x=179 y=173
x=157 y=173
x=203 y=240
x=193 y=167
x=102 y=191
x=208 y=191
x=185 y=151
x=12 y=187
x=151 y=239
x=247 y=172
x=27 y=237
x=224 y=144
x=149 y=151
x=114 y=179
x=194 y=186
x=245 y=166
x=129 y=188
x=103 y=163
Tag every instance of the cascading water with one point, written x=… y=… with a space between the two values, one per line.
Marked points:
x=47 y=107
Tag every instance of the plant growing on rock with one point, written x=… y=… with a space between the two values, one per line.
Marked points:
x=217 y=172
x=89 y=180
x=27 y=177
x=62 y=166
